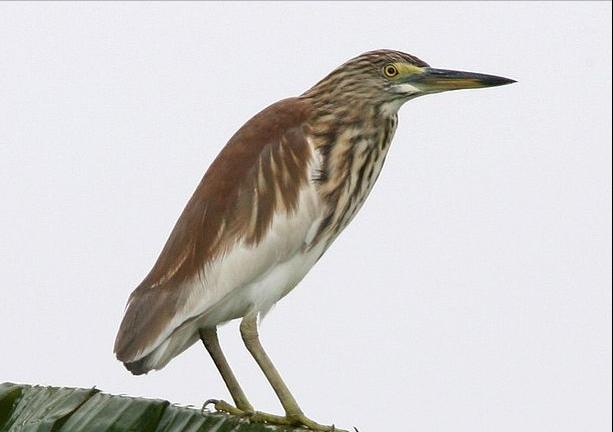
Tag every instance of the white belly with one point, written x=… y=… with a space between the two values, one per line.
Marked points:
x=253 y=278
x=261 y=294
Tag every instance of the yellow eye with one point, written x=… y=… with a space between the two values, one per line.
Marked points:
x=390 y=71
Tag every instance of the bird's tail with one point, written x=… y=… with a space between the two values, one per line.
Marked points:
x=147 y=338
x=174 y=345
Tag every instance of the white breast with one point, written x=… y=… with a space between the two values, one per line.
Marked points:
x=254 y=277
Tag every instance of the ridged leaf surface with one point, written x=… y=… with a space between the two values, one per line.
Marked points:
x=25 y=408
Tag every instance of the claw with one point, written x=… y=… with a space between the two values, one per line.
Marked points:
x=223 y=406
x=208 y=402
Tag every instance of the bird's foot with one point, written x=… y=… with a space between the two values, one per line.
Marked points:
x=297 y=420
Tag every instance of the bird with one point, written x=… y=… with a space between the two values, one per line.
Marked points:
x=272 y=202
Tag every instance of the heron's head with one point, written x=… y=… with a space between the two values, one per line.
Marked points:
x=393 y=77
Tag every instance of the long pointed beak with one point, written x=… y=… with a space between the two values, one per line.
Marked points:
x=440 y=80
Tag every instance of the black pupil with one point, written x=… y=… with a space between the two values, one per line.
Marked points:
x=391 y=70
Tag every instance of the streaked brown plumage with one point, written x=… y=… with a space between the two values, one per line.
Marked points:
x=283 y=188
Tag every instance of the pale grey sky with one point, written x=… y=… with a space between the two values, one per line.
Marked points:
x=472 y=292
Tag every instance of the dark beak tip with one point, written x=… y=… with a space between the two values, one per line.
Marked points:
x=499 y=81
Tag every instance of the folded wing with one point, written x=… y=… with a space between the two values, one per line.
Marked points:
x=258 y=177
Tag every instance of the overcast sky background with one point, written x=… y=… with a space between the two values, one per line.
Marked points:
x=472 y=292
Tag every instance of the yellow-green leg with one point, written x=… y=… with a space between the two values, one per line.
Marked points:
x=293 y=414
x=211 y=343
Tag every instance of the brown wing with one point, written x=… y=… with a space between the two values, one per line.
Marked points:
x=258 y=172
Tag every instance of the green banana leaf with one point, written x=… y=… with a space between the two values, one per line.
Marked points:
x=26 y=408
